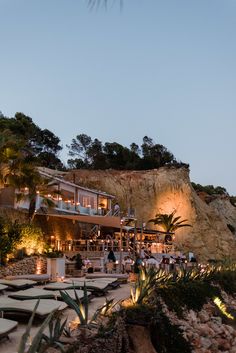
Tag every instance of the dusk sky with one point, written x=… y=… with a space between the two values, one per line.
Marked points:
x=162 y=68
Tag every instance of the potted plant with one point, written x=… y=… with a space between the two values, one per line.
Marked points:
x=55 y=264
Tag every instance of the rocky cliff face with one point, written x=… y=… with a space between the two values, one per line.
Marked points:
x=162 y=191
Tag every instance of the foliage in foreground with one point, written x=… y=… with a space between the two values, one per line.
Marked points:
x=226 y=279
x=185 y=296
x=181 y=291
x=41 y=342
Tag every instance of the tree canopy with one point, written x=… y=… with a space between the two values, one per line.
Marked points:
x=20 y=133
x=93 y=154
x=22 y=140
x=210 y=189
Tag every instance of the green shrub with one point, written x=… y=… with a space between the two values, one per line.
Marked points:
x=226 y=279
x=10 y=236
x=54 y=253
x=32 y=239
x=191 y=295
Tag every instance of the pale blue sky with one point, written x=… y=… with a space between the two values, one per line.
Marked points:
x=162 y=68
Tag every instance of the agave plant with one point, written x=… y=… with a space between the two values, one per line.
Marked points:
x=36 y=344
x=56 y=329
x=144 y=286
x=80 y=308
x=105 y=311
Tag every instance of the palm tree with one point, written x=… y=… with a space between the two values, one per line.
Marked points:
x=18 y=169
x=18 y=172
x=169 y=223
x=30 y=179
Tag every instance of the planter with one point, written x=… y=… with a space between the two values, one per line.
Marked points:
x=56 y=267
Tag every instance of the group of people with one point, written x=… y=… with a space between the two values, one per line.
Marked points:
x=166 y=262
x=127 y=262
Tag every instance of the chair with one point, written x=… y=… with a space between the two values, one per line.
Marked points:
x=109 y=267
x=128 y=268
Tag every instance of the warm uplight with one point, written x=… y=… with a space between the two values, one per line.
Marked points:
x=175 y=199
x=222 y=308
x=74 y=323
x=39 y=267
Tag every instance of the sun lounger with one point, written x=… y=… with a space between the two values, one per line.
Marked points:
x=121 y=277
x=26 y=307
x=39 y=278
x=3 y=287
x=58 y=286
x=33 y=293
x=79 y=292
x=84 y=279
x=37 y=293
x=111 y=283
x=97 y=288
x=17 y=284
x=6 y=327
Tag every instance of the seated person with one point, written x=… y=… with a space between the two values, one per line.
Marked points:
x=152 y=262
x=128 y=262
x=172 y=262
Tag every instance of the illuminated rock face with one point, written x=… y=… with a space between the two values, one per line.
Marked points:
x=163 y=191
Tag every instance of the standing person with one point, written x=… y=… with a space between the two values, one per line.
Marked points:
x=116 y=209
x=172 y=263
x=142 y=253
x=111 y=259
x=111 y=256
x=138 y=264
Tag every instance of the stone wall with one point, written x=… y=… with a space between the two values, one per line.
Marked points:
x=28 y=265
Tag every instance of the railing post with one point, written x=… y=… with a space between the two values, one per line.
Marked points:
x=120 y=246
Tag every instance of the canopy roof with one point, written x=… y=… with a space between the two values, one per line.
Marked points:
x=105 y=221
